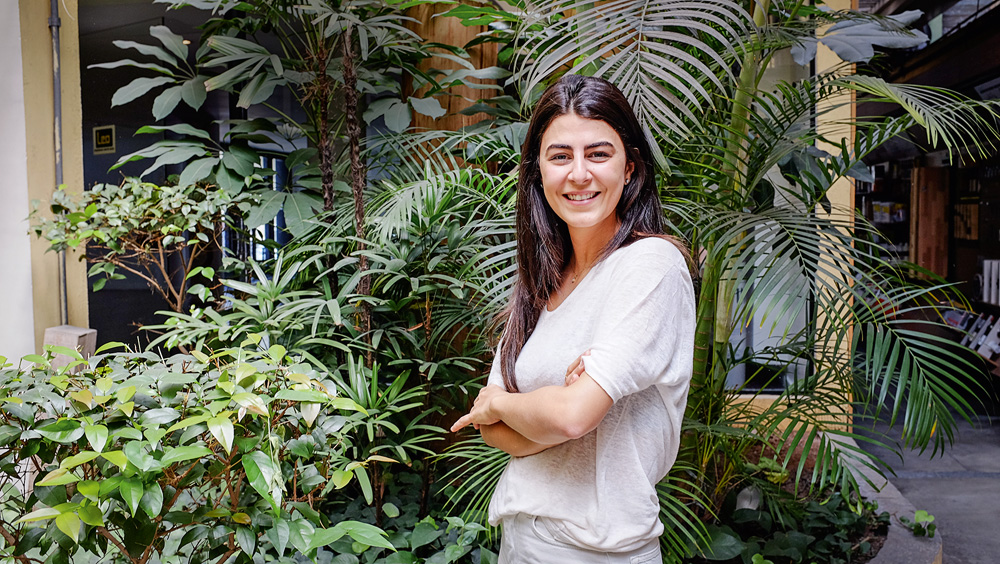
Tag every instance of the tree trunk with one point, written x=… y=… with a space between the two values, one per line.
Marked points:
x=358 y=180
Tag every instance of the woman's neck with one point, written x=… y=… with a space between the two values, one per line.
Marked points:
x=590 y=242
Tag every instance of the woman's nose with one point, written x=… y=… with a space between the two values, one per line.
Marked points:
x=580 y=173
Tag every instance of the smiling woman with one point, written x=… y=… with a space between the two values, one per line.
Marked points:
x=589 y=385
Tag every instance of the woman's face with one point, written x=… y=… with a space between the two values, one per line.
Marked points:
x=584 y=170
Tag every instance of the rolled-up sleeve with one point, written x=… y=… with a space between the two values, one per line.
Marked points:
x=645 y=335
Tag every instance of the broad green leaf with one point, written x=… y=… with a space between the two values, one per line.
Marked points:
x=278 y=534
x=173 y=42
x=365 y=533
x=58 y=349
x=125 y=394
x=97 y=436
x=110 y=485
x=137 y=88
x=8 y=433
x=91 y=515
x=263 y=476
x=429 y=107
x=325 y=537
x=366 y=486
x=197 y=170
x=159 y=416
x=242 y=518
x=69 y=523
x=193 y=92
x=131 y=491
x=347 y=404
x=153 y=435
x=78 y=459
x=300 y=208
x=59 y=477
x=340 y=478
x=187 y=422
x=397 y=117
x=183 y=453
x=390 y=510
x=270 y=204
x=246 y=540
x=89 y=489
x=424 y=533
x=64 y=431
x=152 y=500
x=109 y=346
x=83 y=396
x=39 y=515
x=116 y=457
x=251 y=402
x=222 y=429
x=138 y=457
x=166 y=102
x=302 y=395
x=148 y=50
x=277 y=353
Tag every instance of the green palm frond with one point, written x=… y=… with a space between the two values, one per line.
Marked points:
x=948 y=118
x=475 y=471
x=658 y=52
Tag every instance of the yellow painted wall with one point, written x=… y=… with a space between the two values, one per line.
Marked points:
x=36 y=52
x=842 y=193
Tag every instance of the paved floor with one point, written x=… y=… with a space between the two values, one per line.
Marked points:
x=961 y=488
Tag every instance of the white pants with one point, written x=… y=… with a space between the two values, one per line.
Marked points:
x=526 y=541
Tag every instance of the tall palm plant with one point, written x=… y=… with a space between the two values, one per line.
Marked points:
x=746 y=182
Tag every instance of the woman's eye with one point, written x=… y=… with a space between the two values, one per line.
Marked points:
x=558 y=158
x=600 y=155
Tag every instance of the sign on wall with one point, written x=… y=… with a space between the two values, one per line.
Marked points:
x=104 y=139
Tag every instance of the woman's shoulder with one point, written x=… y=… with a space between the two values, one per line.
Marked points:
x=651 y=252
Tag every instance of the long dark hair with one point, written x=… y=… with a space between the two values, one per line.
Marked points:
x=543 y=244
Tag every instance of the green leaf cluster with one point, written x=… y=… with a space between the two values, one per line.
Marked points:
x=210 y=455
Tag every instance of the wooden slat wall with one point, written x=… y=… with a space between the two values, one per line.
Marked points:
x=451 y=31
x=929 y=219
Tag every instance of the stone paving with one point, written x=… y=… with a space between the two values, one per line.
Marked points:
x=960 y=487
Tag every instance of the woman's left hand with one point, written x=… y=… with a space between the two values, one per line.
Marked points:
x=482 y=409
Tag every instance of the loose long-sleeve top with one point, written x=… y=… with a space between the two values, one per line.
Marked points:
x=635 y=311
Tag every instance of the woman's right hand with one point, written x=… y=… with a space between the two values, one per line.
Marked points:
x=576 y=369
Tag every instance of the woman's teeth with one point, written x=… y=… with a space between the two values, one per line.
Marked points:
x=580 y=197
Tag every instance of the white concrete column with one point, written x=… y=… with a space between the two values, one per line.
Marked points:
x=17 y=327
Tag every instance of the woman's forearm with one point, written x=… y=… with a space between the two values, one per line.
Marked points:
x=501 y=436
x=554 y=414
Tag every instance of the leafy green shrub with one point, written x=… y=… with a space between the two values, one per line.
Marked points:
x=826 y=529
x=190 y=458
x=162 y=234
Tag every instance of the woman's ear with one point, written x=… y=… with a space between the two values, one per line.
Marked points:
x=629 y=169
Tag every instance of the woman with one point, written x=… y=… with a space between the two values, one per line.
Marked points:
x=603 y=292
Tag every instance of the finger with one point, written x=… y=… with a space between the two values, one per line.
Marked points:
x=574 y=365
x=572 y=378
x=475 y=426
x=462 y=422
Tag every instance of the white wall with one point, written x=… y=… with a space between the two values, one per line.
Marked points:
x=17 y=328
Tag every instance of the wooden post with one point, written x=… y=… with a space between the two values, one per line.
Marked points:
x=450 y=31
x=928 y=219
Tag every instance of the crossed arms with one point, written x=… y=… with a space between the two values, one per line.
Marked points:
x=523 y=424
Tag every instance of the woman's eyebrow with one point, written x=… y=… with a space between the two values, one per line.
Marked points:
x=587 y=148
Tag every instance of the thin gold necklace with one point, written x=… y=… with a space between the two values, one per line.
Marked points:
x=579 y=273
